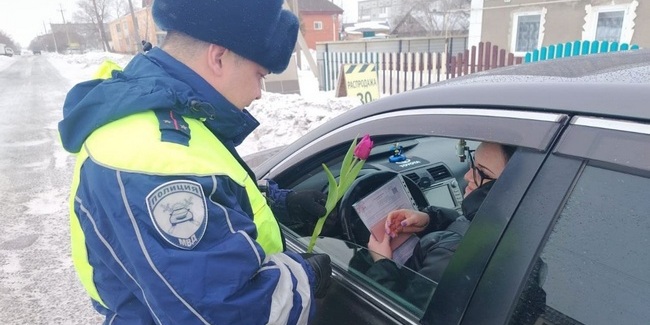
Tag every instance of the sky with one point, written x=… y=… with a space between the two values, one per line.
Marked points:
x=350 y=10
x=283 y=118
x=23 y=20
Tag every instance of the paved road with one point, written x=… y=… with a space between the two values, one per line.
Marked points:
x=37 y=281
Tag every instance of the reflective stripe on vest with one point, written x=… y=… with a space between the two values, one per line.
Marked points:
x=78 y=239
x=78 y=249
x=122 y=144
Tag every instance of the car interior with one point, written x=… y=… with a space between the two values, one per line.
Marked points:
x=430 y=168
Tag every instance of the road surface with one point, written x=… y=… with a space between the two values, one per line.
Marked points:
x=38 y=284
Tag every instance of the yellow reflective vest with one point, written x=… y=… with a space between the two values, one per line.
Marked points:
x=133 y=144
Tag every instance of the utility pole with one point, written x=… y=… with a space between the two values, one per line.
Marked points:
x=135 y=26
x=56 y=48
x=294 y=8
x=65 y=25
x=301 y=44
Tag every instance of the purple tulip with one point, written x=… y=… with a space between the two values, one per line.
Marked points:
x=362 y=151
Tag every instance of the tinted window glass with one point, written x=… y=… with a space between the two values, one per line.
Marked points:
x=411 y=290
x=597 y=257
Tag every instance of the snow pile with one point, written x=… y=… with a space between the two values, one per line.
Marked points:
x=6 y=61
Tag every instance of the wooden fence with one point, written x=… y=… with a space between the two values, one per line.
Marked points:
x=398 y=72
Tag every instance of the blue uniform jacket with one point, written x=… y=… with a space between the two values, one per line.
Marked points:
x=222 y=276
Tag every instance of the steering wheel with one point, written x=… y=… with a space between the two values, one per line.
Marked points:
x=354 y=230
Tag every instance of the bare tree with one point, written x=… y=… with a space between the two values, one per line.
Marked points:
x=437 y=17
x=7 y=40
x=120 y=8
x=95 y=12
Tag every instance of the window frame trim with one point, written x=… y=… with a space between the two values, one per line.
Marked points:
x=627 y=29
x=599 y=131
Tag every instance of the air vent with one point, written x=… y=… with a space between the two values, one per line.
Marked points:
x=439 y=172
x=413 y=176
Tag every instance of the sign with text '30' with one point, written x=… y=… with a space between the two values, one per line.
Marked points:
x=358 y=80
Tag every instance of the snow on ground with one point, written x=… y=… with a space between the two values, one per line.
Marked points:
x=6 y=61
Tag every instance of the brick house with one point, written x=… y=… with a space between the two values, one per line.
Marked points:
x=123 y=32
x=319 y=21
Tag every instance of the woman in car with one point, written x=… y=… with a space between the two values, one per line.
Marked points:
x=437 y=243
x=440 y=231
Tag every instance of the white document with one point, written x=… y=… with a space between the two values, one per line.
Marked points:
x=374 y=208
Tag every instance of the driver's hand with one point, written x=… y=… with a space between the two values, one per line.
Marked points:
x=379 y=249
x=405 y=221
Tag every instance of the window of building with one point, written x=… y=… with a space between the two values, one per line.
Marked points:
x=597 y=256
x=614 y=23
x=609 y=26
x=365 y=12
x=527 y=31
x=318 y=25
x=383 y=12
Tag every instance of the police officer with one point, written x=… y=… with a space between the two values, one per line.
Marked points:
x=168 y=225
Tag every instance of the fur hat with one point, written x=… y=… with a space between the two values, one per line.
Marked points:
x=259 y=30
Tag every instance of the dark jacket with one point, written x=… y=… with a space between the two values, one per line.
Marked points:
x=438 y=243
x=164 y=229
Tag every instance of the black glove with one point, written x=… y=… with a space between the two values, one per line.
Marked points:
x=321 y=264
x=306 y=205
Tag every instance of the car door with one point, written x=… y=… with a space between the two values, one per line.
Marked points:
x=586 y=217
x=357 y=298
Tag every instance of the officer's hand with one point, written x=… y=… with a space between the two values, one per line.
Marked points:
x=306 y=205
x=321 y=264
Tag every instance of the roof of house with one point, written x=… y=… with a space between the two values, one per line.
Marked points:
x=318 y=6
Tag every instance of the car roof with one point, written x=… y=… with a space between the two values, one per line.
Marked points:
x=615 y=85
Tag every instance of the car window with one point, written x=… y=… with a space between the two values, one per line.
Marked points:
x=434 y=175
x=412 y=291
x=596 y=259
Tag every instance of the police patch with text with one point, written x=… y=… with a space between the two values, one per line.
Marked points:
x=179 y=212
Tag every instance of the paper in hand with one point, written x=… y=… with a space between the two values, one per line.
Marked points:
x=373 y=211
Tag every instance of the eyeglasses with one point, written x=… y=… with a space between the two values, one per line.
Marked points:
x=476 y=172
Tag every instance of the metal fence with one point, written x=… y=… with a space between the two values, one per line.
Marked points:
x=398 y=71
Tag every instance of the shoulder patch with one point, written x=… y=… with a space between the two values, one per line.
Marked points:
x=179 y=212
